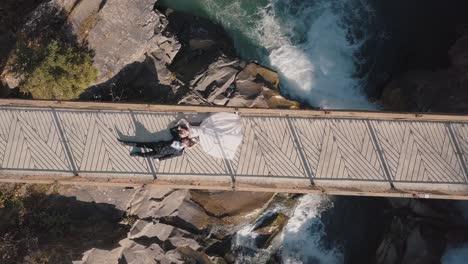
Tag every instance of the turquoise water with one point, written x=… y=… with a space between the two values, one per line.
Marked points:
x=238 y=18
x=312 y=44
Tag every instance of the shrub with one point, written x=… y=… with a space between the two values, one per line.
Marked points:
x=54 y=70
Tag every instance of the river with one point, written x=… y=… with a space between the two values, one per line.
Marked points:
x=330 y=54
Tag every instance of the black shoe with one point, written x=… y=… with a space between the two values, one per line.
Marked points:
x=127 y=143
x=134 y=154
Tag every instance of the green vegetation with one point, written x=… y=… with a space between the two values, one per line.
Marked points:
x=54 y=70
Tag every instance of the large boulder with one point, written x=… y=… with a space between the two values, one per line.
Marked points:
x=174 y=207
x=135 y=253
x=143 y=228
x=95 y=255
x=269 y=228
x=236 y=83
x=121 y=32
x=230 y=204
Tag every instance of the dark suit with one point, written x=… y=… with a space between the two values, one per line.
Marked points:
x=161 y=149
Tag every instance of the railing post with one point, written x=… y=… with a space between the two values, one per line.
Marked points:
x=66 y=147
x=302 y=155
x=459 y=152
x=378 y=148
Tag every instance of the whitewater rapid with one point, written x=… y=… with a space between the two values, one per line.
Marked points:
x=314 y=45
x=320 y=68
x=302 y=237
x=302 y=240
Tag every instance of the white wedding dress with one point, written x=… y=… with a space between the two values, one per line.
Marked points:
x=219 y=135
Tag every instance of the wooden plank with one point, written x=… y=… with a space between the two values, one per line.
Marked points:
x=243 y=111
x=348 y=153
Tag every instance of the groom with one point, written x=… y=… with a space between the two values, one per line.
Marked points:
x=165 y=149
x=161 y=149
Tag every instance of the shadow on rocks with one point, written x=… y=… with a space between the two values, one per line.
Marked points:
x=138 y=82
x=37 y=227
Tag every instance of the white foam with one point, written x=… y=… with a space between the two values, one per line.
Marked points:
x=310 y=43
x=455 y=255
x=302 y=235
x=321 y=69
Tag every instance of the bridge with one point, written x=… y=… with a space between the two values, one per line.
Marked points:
x=301 y=151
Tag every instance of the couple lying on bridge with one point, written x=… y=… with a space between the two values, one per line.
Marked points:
x=219 y=135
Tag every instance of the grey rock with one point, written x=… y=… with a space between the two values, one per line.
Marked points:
x=171 y=257
x=256 y=72
x=217 y=74
x=240 y=101
x=220 y=100
x=216 y=95
x=218 y=78
x=124 y=31
x=118 y=196
x=169 y=205
x=143 y=228
x=194 y=99
x=138 y=254
x=83 y=17
x=260 y=102
x=175 y=206
x=95 y=256
x=146 y=202
x=248 y=88
x=184 y=242
x=190 y=216
x=203 y=44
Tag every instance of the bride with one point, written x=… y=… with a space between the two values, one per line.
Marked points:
x=219 y=135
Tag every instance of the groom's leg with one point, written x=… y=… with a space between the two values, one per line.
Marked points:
x=150 y=154
x=137 y=144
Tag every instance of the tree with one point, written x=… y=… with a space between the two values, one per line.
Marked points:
x=55 y=70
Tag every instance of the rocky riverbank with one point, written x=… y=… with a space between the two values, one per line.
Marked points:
x=147 y=55
x=153 y=55
x=61 y=224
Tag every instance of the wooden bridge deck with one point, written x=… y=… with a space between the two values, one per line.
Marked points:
x=350 y=153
